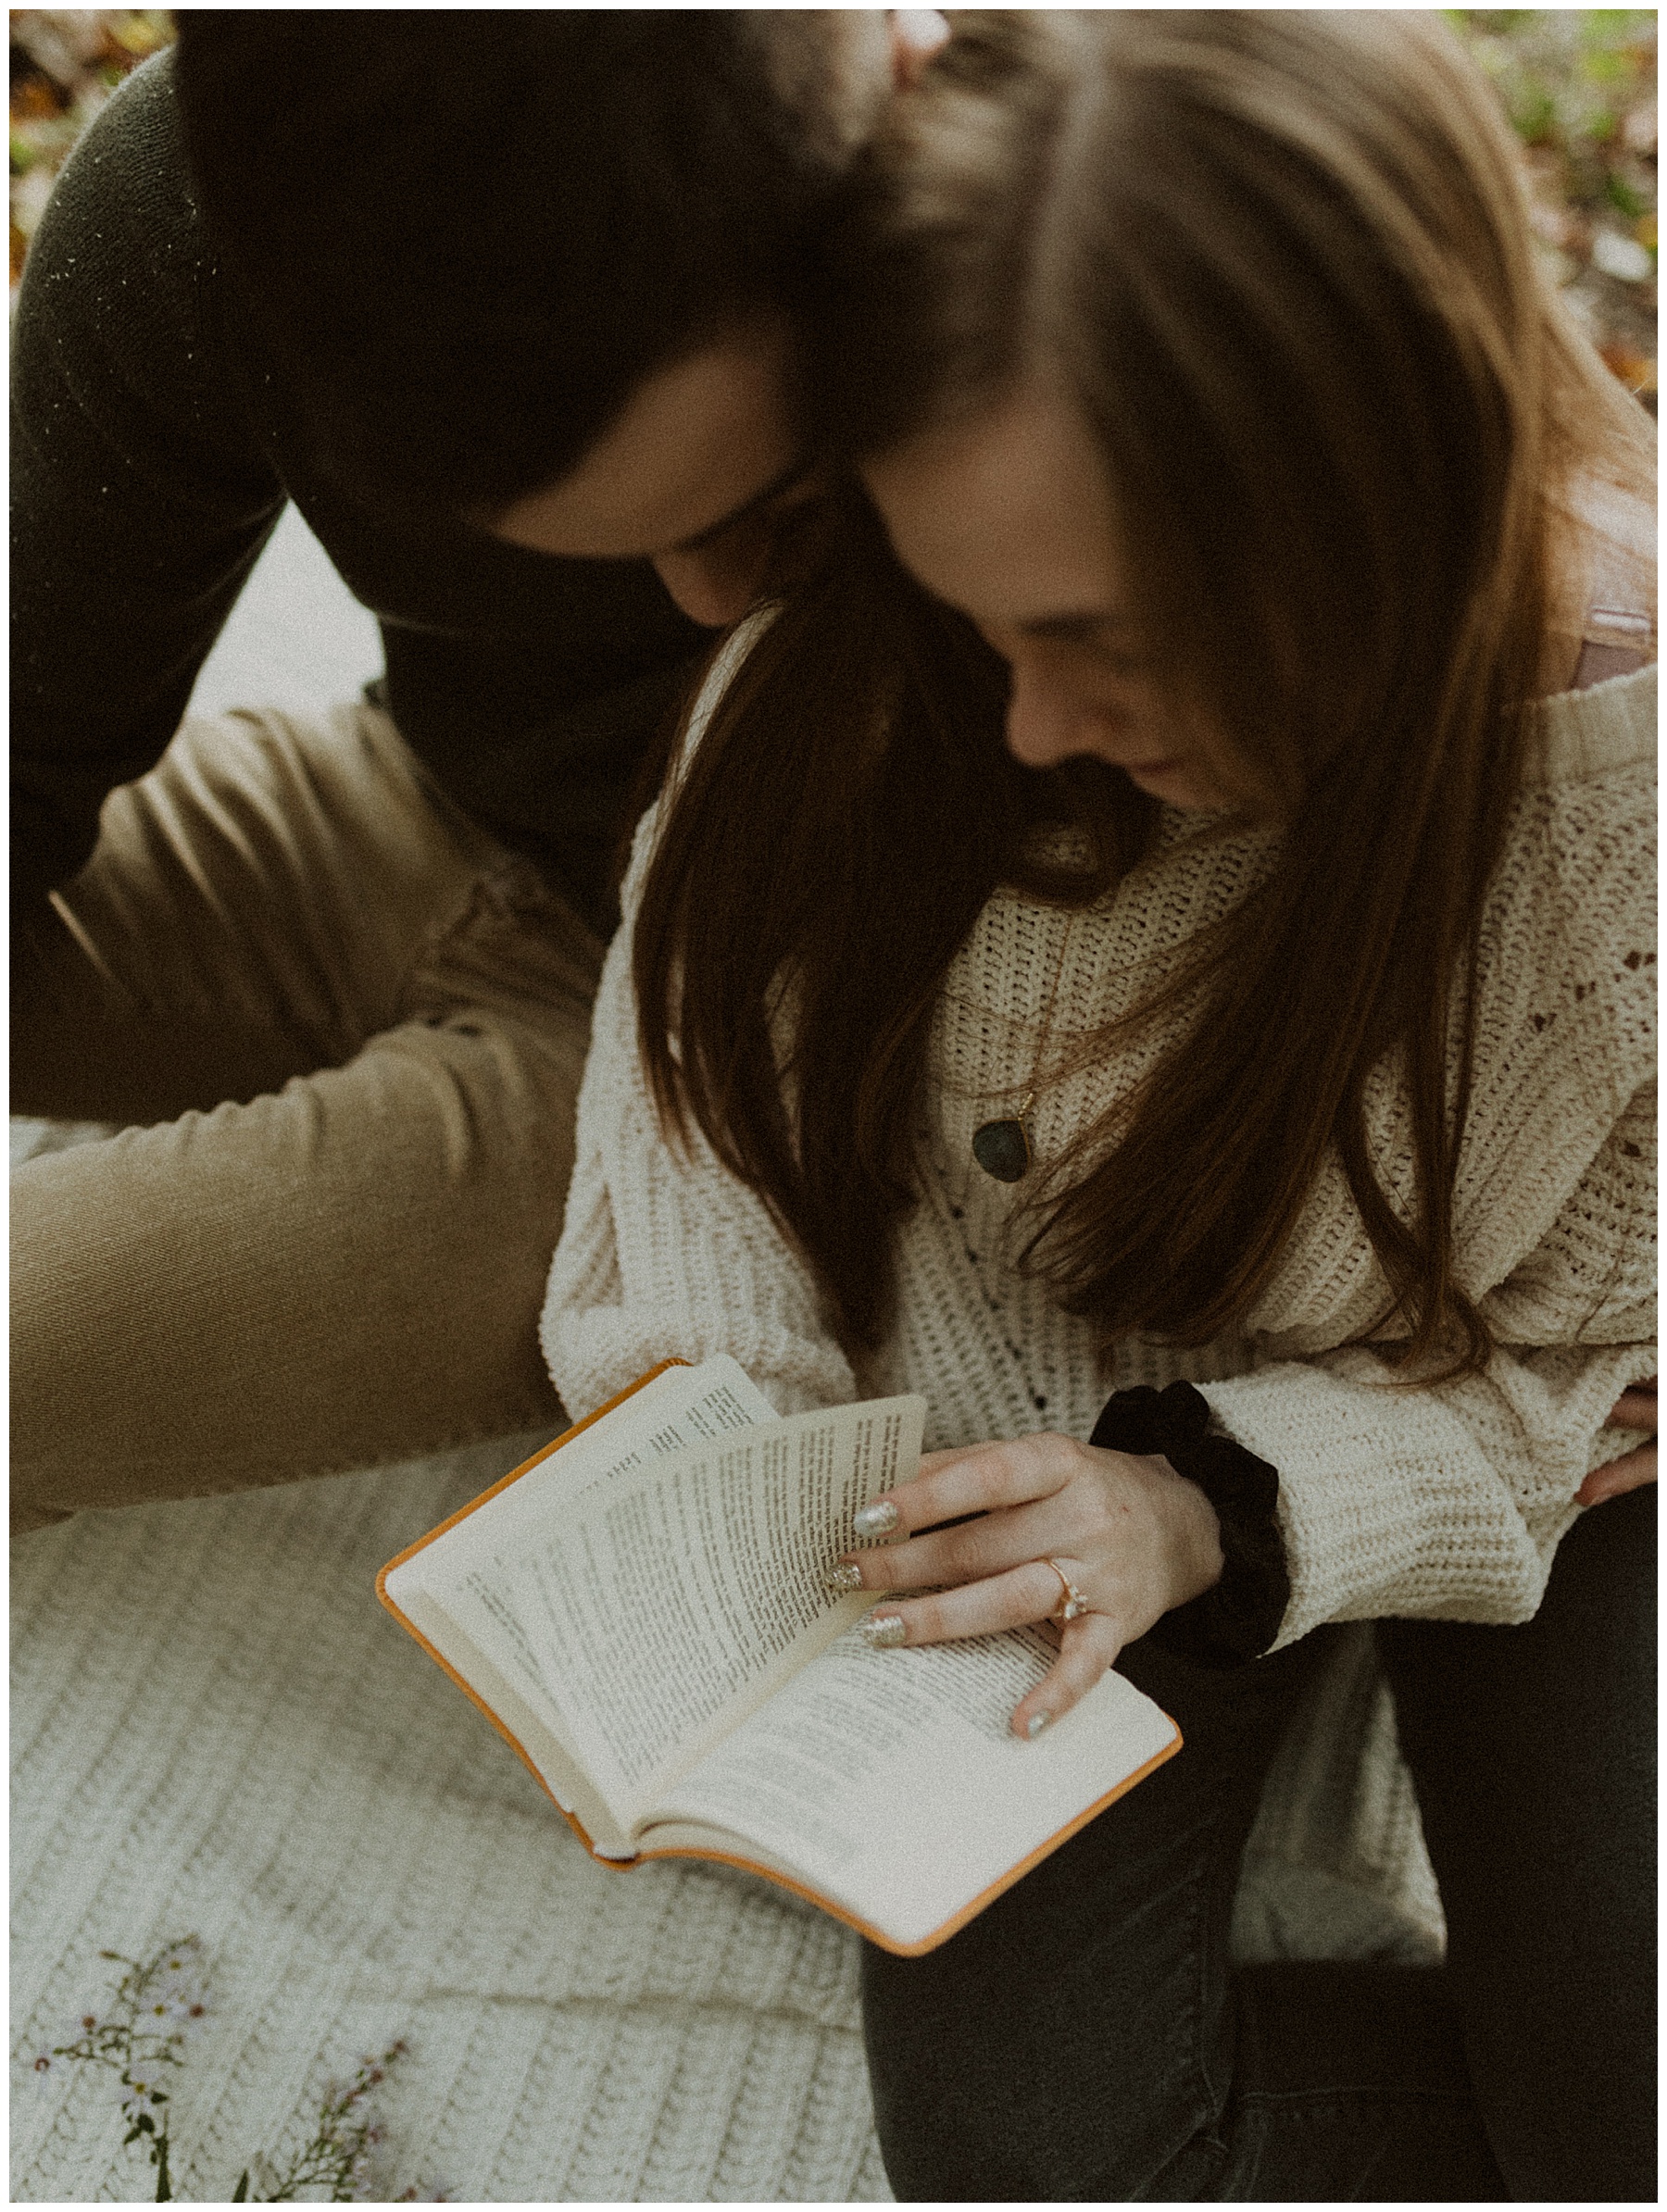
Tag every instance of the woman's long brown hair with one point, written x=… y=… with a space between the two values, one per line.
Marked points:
x=1282 y=264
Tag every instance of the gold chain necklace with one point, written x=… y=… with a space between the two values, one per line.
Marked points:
x=1002 y=1148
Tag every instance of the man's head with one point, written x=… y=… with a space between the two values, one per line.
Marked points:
x=535 y=266
x=700 y=473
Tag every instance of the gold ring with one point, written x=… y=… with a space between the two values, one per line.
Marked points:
x=1072 y=1601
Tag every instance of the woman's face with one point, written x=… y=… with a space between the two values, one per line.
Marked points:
x=1008 y=517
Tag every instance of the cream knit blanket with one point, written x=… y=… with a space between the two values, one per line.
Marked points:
x=216 y=1727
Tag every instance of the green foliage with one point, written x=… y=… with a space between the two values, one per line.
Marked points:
x=1574 y=78
x=1578 y=84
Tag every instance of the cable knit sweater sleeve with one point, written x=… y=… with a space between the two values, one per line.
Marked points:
x=665 y=1254
x=1449 y=1500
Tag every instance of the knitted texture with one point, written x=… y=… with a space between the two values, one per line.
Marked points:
x=1426 y=1502
x=215 y=1727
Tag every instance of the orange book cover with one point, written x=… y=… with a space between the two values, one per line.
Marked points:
x=771 y=1873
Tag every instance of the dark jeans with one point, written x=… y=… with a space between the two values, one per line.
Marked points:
x=1086 y=2039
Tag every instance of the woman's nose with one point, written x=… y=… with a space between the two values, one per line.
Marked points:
x=1045 y=725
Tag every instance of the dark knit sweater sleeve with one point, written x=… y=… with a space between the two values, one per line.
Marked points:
x=141 y=497
x=1240 y=1617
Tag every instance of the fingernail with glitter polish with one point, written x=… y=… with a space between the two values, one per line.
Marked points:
x=878 y=1519
x=843 y=1577
x=881 y=1630
x=1036 y=1723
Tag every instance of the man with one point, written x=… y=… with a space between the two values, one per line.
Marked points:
x=502 y=301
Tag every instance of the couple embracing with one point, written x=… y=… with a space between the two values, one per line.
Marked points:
x=1141 y=932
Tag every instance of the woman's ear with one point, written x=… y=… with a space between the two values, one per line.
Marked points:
x=916 y=35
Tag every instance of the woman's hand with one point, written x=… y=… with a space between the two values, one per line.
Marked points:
x=1635 y=1408
x=1133 y=1537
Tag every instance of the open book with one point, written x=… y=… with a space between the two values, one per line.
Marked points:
x=640 y=1610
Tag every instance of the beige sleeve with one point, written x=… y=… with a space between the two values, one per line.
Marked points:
x=1448 y=1502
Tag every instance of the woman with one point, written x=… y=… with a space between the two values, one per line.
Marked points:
x=1213 y=1063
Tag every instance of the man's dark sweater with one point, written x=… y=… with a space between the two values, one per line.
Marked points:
x=153 y=450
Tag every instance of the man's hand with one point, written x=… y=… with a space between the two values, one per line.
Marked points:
x=1635 y=1408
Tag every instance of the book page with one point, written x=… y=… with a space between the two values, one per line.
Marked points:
x=892 y=1781
x=546 y=1754
x=674 y=1598
x=681 y=1406
x=474 y=1570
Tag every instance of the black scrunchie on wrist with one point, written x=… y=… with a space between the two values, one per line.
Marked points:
x=1239 y=1618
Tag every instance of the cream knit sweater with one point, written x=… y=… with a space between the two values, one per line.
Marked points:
x=1444 y=1502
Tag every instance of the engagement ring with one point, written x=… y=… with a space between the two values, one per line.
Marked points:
x=1072 y=1601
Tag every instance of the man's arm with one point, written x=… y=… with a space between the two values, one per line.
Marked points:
x=141 y=493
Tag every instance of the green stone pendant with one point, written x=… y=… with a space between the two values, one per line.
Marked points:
x=1002 y=1149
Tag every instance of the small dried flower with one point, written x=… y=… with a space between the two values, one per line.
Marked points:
x=158 y=2006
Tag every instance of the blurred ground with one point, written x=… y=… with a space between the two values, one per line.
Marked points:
x=65 y=64
x=1579 y=85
